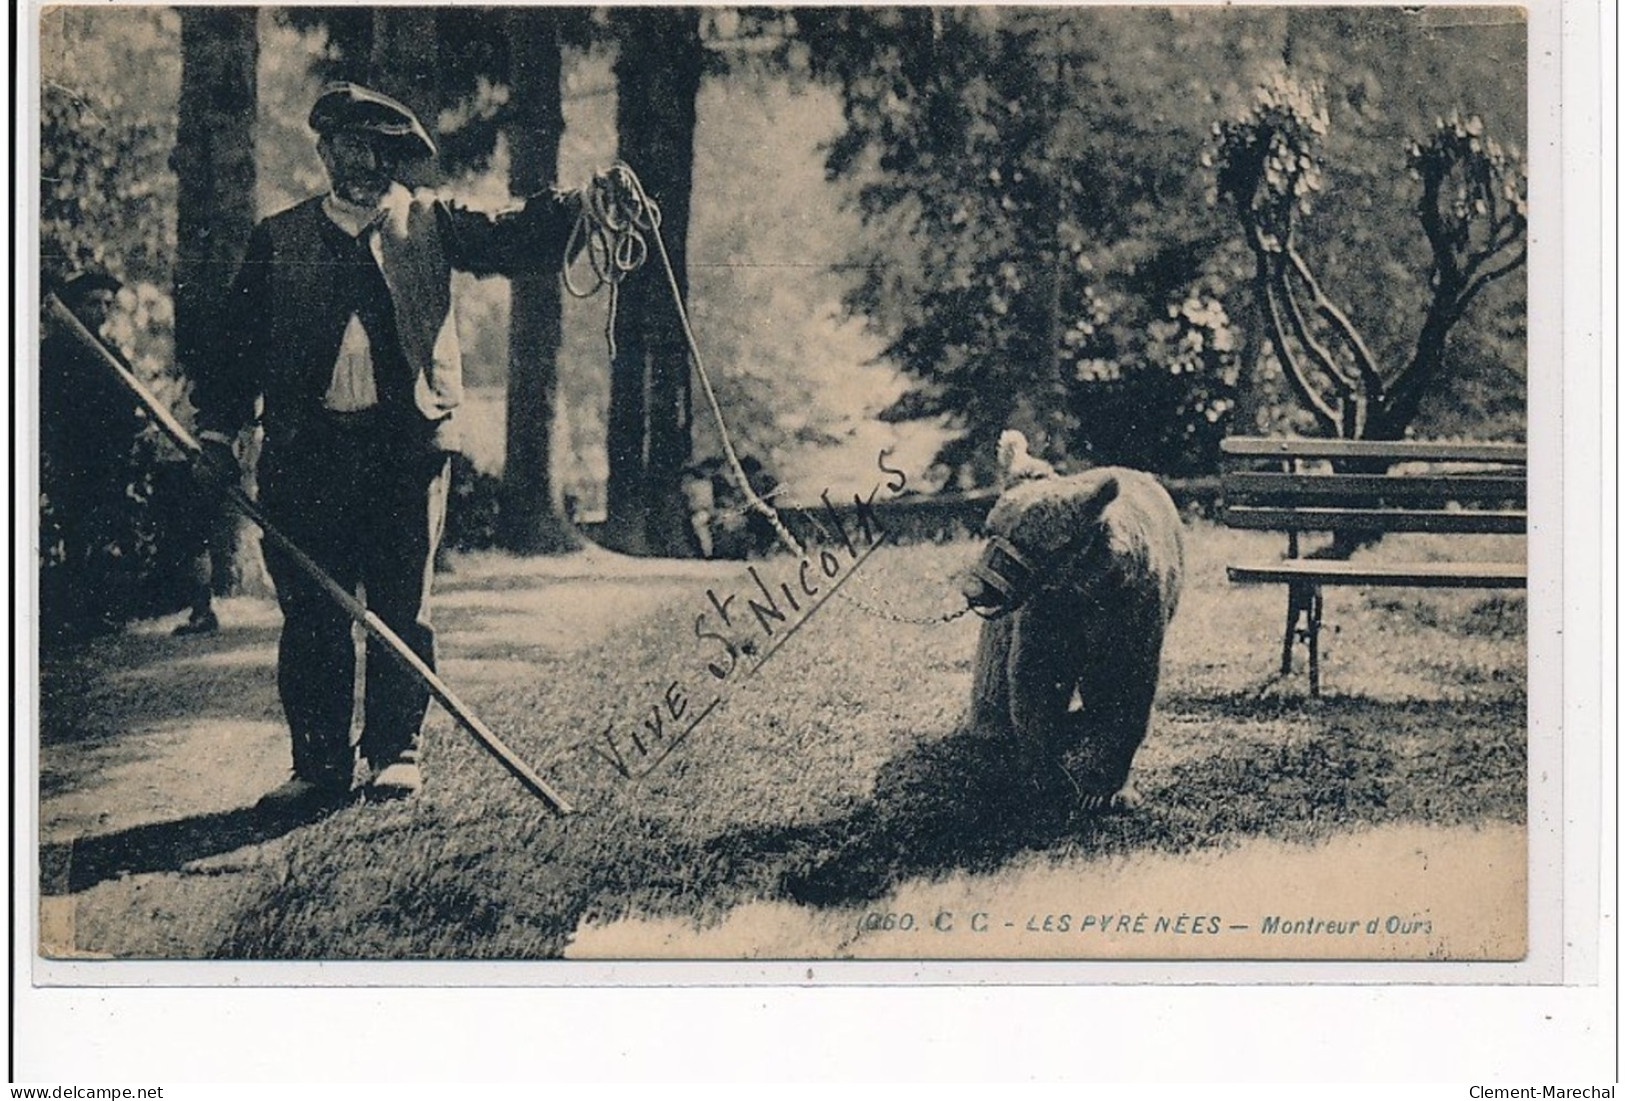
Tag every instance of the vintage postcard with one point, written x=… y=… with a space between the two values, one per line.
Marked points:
x=957 y=485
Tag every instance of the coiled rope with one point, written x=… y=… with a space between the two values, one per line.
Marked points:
x=616 y=213
x=616 y=219
x=608 y=231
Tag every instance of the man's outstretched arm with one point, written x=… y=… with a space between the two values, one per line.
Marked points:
x=531 y=237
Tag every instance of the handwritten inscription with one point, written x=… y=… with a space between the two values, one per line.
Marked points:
x=741 y=629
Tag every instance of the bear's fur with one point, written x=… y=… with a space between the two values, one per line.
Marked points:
x=1107 y=554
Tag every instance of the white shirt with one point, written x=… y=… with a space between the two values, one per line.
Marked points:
x=354 y=385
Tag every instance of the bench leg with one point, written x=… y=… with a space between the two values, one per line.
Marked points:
x=1313 y=635
x=1297 y=604
x=1303 y=604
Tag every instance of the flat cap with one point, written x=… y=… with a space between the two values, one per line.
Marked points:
x=348 y=106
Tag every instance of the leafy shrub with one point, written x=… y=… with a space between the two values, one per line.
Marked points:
x=471 y=510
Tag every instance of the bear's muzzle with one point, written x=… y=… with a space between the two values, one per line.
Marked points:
x=1000 y=581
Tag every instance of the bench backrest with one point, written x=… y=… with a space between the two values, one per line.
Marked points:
x=1293 y=485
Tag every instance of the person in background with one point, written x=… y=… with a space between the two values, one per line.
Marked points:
x=205 y=528
x=201 y=618
x=87 y=435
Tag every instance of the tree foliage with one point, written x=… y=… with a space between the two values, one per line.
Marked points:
x=95 y=208
x=1023 y=187
x=1473 y=211
x=452 y=64
x=1040 y=251
x=107 y=200
x=107 y=125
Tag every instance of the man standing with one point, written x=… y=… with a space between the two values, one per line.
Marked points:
x=340 y=327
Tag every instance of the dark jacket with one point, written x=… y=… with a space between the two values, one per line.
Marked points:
x=283 y=321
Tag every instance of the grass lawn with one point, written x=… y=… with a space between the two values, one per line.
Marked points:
x=837 y=774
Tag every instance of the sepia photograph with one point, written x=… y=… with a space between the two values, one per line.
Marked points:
x=938 y=484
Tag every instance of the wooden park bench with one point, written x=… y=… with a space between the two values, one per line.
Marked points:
x=1298 y=486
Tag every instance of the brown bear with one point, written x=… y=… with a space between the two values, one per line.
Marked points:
x=1077 y=586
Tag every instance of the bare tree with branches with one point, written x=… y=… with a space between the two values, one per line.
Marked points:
x=1473 y=209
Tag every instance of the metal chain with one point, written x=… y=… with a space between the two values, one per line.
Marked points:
x=898 y=617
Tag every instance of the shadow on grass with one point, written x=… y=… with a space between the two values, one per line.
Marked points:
x=944 y=805
x=1286 y=699
x=72 y=866
x=951 y=807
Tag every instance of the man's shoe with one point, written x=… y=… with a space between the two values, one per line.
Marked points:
x=206 y=624
x=303 y=798
x=400 y=780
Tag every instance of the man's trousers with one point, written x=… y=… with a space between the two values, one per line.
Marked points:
x=368 y=504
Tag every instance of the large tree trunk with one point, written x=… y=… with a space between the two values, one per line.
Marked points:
x=650 y=417
x=405 y=64
x=406 y=59
x=1403 y=400
x=349 y=36
x=214 y=169
x=529 y=522
x=1247 y=418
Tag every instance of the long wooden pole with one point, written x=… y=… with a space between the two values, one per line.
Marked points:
x=357 y=611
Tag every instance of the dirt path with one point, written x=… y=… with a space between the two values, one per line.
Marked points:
x=153 y=749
